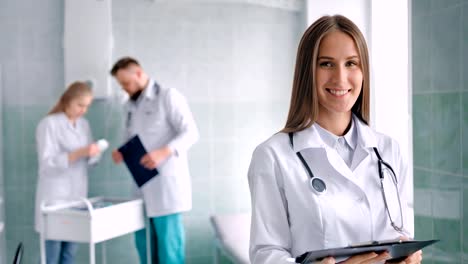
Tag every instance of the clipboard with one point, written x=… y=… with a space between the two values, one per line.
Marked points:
x=398 y=250
x=132 y=152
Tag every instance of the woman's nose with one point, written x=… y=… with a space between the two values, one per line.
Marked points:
x=339 y=74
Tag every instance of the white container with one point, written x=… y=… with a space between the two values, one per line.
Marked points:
x=91 y=221
x=102 y=146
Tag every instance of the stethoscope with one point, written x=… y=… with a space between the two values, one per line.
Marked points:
x=318 y=186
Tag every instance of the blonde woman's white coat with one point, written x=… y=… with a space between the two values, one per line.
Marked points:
x=59 y=179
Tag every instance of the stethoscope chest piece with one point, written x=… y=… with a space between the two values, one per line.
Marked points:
x=317 y=185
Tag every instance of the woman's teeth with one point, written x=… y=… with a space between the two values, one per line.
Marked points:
x=338 y=92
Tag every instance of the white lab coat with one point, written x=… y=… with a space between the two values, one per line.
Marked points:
x=58 y=179
x=288 y=219
x=162 y=117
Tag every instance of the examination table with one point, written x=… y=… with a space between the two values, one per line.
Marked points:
x=232 y=236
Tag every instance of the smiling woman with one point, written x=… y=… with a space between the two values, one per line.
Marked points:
x=327 y=140
x=339 y=76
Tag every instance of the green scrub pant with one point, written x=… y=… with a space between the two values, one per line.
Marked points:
x=167 y=240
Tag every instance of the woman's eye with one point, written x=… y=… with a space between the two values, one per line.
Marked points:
x=325 y=64
x=351 y=63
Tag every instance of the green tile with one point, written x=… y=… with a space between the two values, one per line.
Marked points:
x=121 y=250
x=119 y=173
x=420 y=7
x=465 y=131
x=424 y=227
x=28 y=204
x=32 y=117
x=31 y=245
x=199 y=235
x=422 y=179
x=465 y=45
x=447 y=129
x=97 y=174
x=445 y=49
x=437 y=261
x=465 y=216
x=448 y=231
x=422 y=131
x=28 y=168
x=421 y=48
x=96 y=116
x=437 y=5
x=427 y=254
x=19 y=206
x=446 y=182
x=12 y=152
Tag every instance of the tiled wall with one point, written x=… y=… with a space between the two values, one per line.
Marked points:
x=2 y=205
x=233 y=61
x=440 y=128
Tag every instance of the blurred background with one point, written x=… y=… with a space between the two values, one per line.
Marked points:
x=234 y=62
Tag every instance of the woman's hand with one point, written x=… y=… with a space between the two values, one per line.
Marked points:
x=328 y=260
x=92 y=150
x=84 y=152
x=414 y=258
x=368 y=258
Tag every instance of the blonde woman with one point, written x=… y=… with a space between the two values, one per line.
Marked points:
x=64 y=144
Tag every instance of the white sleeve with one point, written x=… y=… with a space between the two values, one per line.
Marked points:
x=270 y=238
x=406 y=194
x=89 y=139
x=181 y=119
x=51 y=159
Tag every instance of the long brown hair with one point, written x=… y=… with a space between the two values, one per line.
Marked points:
x=74 y=90
x=304 y=106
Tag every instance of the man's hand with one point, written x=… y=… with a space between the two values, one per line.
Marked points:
x=117 y=156
x=154 y=158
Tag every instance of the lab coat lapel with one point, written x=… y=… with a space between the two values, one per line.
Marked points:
x=309 y=142
x=366 y=141
x=359 y=155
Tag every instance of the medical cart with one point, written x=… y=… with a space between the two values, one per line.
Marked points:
x=90 y=221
